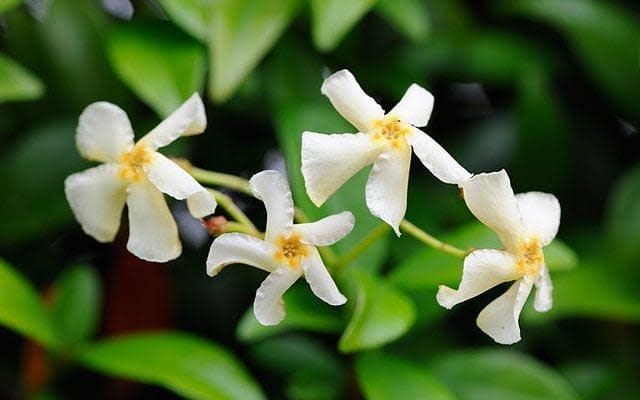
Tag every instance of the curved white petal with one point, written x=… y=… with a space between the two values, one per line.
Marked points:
x=328 y=230
x=97 y=197
x=272 y=188
x=483 y=269
x=104 y=132
x=499 y=319
x=238 y=248
x=169 y=178
x=386 y=190
x=321 y=283
x=436 y=159
x=153 y=234
x=540 y=214
x=189 y=119
x=491 y=199
x=415 y=106
x=268 y=306
x=201 y=204
x=351 y=101
x=543 y=300
x=328 y=161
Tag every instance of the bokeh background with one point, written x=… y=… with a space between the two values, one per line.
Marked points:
x=547 y=89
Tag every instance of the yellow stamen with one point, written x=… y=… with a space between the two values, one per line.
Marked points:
x=291 y=250
x=391 y=129
x=530 y=257
x=133 y=163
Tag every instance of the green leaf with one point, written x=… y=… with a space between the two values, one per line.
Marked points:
x=609 y=55
x=21 y=310
x=188 y=365
x=191 y=15
x=333 y=19
x=159 y=63
x=500 y=375
x=594 y=291
x=35 y=171
x=304 y=311
x=242 y=33
x=76 y=306
x=409 y=17
x=384 y=377
x=381 y=315
x=6 y=5
x=623 y=218
x=16 y=83
x=560 y=257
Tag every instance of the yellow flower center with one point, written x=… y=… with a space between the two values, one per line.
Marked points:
x=132 y=164
x=291 y=250
x=391 y=129
x=530 y=257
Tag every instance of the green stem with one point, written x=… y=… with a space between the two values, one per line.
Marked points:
x=429 y=240
x=364 y=244
x=219 y=179
x=232 y=226
x=234 y=211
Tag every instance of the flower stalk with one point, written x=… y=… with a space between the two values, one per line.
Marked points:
x=429 y=240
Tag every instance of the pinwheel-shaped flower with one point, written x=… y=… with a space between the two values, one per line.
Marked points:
x=525 y=223
x=384 y=140
x=287 y=252
x=135 y=174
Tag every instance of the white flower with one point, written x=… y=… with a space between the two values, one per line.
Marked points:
x=384 y=140
x=525 y=223
x=287 y=251
x=135 y=174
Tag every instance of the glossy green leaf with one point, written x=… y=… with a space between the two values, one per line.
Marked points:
x=193 y=16
x=35 y=170
x=242 y=33
x=6 y=5
x=190 y=366
x=21 y=309
x=162 y=65
x=76 y=306
x=304 y=311
x=409 y=17
x=500 y=375
x=605 y=53
x=384 y=377
x=333 y=19
x=381 y=315
x=16 y=83
x=623 y=218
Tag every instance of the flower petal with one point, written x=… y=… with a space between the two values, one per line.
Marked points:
x=483 y=269
x=272 y=188
x=415 y=106
x=239 y=248
x=104 y=132
x=328 y=161
x=544 y=290
x=540 y=214
x=201 y=204
x=491 y=199
x=321 y=283
x=386 y=190
x=169 y=178
x=500 y=318
x=97 y=197
x=189 y=119
x=268 y=306
x=436 y=159
x=153 y=234
x=351 y=101
x=328 y=230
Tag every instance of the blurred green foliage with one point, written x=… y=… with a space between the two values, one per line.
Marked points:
x=546 y=89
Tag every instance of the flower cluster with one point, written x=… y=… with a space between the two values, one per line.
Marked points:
x=136 y=174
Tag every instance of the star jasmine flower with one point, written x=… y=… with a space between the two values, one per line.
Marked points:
x=136 y=175
x=384 y=140
x=287 y=252
x=525 y=223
